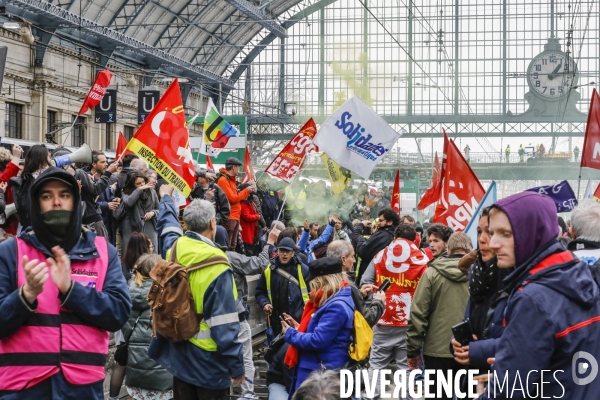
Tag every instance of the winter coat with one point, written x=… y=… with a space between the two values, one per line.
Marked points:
x=269 y=203
x=249 y=221
x=368 y=248
x=107 y=214
x=243 y=266
x=438 y=304
x=108 y=309
x=295 y=301
x=142 y=371
x=11 y=170
x=229 y=186
x=219 y=200
x=327 y=338
x=91 y=189
x=551 y=313
x=136 y=209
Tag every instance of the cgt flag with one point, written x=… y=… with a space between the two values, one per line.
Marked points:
x=164 y=130
x=217 y=131
x=461 y=190
x=290 y=160
x=434 y=192
x=209 y=164
x=561 y=193
x=395 y=204
x=596 y=196
x=590 y=155
x=356 y=137
x=338 y=175
x=97 y=91
x=248 y=170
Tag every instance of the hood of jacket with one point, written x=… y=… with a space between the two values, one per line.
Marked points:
x=41 y=230
x=533 y=220
x=448 y=268
x=573 y=279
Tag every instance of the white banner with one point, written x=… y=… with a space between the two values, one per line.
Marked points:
x=355 y=137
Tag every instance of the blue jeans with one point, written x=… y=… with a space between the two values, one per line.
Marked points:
x=277 y=392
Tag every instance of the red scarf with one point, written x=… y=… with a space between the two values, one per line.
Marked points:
x=291 y=356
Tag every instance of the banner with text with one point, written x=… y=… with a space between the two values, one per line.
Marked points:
x=290 y=160
x=165 y=131
x=561 y=193
x=356 y=137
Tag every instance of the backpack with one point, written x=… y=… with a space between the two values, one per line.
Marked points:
x=363 y=335
x=363 y=338
x=172 y=308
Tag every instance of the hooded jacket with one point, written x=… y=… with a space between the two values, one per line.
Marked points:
x=553 y=308
x=108 y=309
x=438 y=304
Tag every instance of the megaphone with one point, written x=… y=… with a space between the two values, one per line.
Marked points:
x=83 y=155
x=8 y=211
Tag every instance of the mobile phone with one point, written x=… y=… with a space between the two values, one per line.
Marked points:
x=281 y=318
x=385 y=285
x=462 y=332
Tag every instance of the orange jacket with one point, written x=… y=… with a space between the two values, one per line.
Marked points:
x=229 y=186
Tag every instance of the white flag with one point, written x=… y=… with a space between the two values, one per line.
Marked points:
x=355 y=137
x=589 y=191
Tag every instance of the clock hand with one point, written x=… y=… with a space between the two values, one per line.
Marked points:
x=551 y=75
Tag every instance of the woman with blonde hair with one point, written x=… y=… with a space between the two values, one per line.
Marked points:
x=322 y=339
x=145 y=379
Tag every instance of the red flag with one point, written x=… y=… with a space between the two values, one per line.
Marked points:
x=461 y=190
x=164 y=130
x=289 y=161
x=209 y=163
x=248 y=171
x=597 y=194
x=396 y=193
x=435 y=190
x=121 y=146
x=590 y=155
x=97 y=91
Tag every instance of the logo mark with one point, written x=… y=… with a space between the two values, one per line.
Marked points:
x=580 y=367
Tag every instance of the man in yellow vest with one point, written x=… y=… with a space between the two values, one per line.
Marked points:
x=282 y=287
x=205 y=366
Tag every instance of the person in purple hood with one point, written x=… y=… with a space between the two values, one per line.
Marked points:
x=552 y=314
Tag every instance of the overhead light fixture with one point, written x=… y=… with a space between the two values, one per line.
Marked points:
x=13 y=26
x=131 y=81
x=26 y=35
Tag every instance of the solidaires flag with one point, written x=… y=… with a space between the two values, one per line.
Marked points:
x=164 y=130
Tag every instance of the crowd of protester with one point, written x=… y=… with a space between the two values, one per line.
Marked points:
x=78 y=257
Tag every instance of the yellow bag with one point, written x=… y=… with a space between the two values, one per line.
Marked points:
x=363 y=338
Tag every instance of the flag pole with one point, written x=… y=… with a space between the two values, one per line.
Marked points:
x=579 y=181
x=70 y=129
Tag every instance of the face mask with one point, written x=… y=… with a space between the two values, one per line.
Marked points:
x=57 y=222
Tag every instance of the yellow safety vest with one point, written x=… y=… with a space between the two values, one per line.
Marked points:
x=294 y=200
x=303 y=288
x=192 y=251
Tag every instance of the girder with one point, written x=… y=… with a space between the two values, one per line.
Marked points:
x=71 y=20
x=259 y=16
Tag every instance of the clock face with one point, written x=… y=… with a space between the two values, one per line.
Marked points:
x=552 y=74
